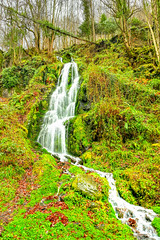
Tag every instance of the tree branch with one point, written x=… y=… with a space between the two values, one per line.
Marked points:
x=47 y=24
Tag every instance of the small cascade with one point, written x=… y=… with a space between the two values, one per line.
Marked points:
x=62 y=108
x=53 y=135
x=138 y=218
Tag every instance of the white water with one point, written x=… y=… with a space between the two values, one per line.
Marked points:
x=52 y=137
x=62 y=107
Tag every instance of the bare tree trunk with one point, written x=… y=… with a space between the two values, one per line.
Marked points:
x=156 y=46
x=50 y=48
x=92 y=21
x=154 y=30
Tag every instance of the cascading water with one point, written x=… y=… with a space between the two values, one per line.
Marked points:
x=62 y=108
x=138 y=218
x=52 y=137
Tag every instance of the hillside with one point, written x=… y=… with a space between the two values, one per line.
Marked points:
x=116 y=129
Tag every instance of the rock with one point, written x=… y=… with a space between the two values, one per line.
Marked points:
x=80 y=162
x=120 y=212
x=77 y=223
x=87 y=186
x=130 y=214
x=148 y=218
x=84 y=106
x=94 y=205
x=144 y=236
x=5 y=93
x=131 y=222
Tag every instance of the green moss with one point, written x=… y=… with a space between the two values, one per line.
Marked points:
x=156 y=209
x=156 y=225
x=78 y=139
x=75 y=170
x=86 y=218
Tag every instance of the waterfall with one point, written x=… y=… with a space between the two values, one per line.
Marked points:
x=62 y=107
x=52 y=137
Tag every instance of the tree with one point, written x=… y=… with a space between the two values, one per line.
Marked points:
x=92 y=20
x=107 y=25
x=122 y=11
x=86 y=25
x=152 y=15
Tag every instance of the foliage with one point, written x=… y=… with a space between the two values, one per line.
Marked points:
x=123 y=128
x=107 y=25
x=85 y=28
x=16 y=150
x=10 y=77
x=15 y=147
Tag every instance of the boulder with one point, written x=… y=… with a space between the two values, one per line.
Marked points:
x=87 y=186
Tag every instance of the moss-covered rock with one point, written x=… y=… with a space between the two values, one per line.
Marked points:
x=78 y=135
x=87 y=186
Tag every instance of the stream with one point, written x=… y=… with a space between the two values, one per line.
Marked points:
x=52 y=137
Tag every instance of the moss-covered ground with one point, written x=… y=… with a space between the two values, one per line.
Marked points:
x=116 y=129
x=50 y=213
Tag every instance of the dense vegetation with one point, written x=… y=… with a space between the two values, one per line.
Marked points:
x=116 y=129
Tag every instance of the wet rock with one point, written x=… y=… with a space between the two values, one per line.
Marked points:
x=120 y=212
x=144 y=236
x=73 y=160
x=130 y=214
x=131 y=222
x=87 y=186
x=56 y=156
x=84 y=106
x=148 y=218
x=80 y=162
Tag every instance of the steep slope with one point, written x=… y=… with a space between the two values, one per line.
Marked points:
x=116 y=130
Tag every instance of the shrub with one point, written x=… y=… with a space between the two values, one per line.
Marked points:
x=10 y=77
